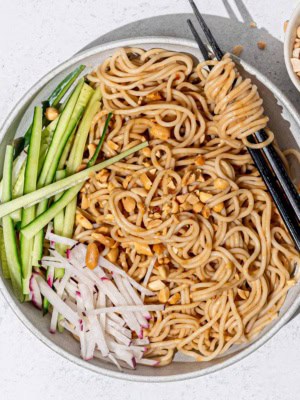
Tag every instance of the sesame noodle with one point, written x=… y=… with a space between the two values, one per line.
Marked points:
x=193 y=199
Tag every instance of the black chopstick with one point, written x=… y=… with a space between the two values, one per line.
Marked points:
x=280 y=172
x=288 y=207
x=271 y=154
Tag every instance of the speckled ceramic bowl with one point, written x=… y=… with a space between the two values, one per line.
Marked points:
x=285 y=123
x=289 y=40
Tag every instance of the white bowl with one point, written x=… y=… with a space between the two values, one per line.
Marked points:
x=285 y=122
x=289 y=39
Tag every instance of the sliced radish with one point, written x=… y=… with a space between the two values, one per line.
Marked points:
x=35 y=293
x=113 y=268
x=52 y=237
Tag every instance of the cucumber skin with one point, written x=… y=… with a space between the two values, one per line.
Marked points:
x=10 y=240
x=30 y=183
x=4 y=264
x=55 y=97
x=48 y=170
x=77 y=154
x=74 y=108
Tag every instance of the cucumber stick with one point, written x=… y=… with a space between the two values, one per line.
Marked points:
x=85 y=96
x=3 y=258
x=55 y=97
x=30 y=183
x=76 y=156
x=66 y=183
x=10 y=240
x=58 y=224
x=33 y=228
x=47 y=136
x=65 y=124
x=69 y=119
x=58 y=227
x=64 y=86
x=78 y=148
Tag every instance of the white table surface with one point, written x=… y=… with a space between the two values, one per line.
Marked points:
x=36 y=35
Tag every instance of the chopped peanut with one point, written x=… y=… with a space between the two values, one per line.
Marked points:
x=84 y=202
x=218 y=207
x=126 y=181
x=142 y=248
x=295 y=64
x=113 y=254
x=154 y=223
x=182 y=198
x=175 y=207
x=156 y=285
x=110 y=186
x=129 y=204
x=204 y=197
x=160 y=132
x=103 y=229
x=146 y=152
x=200 y=160
x=162 y=271
x=91 y=148
x=220 y=184
x=105 y=240
x=163 y=295
x=171 y=185
x=237 y=50
x=186 y=206
x=200 y=178
x=285 y=25
x=51 y=113
x=103 y=175
x=197 y=208
x=158 y=248
x=174 y=299
x=92 y=256
x=154 y=96
x=112 y=145
x=146 y=181
x=192 y=199
x=261 y=45
x=252 y=24
x=206 y=212
x=84 y=222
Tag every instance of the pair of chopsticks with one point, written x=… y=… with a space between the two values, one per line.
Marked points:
x=267 y=160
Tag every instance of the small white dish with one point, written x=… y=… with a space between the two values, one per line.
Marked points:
x=289 y=39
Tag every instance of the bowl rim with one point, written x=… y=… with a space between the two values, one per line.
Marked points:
x=161 y=40
x=287 y=49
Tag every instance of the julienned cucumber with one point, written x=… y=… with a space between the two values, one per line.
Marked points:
x=76 y=156
x=64 y=86
x=55 y=97
x=58 y=227
x=58 y=187
x=47 y=136
x=77 y=151
x=10 y=240
x=30 y=182
x=3 y=258
x=68 y=121
x=47 y=175
x=93 y=160
x=42 y=220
